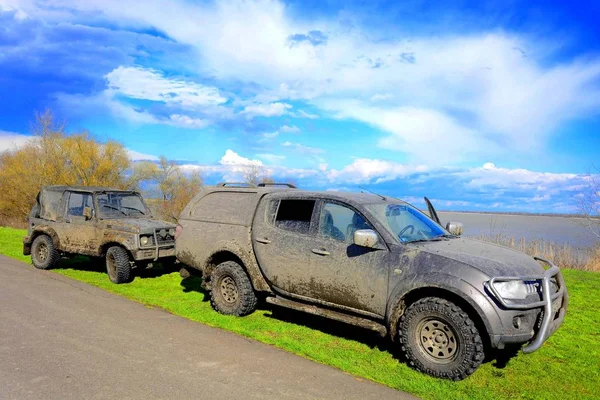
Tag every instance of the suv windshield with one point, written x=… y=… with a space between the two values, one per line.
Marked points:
x=406 y=222
x=120 y=204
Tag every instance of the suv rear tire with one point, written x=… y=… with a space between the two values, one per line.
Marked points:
x=118 y=265
x=232 y=292
x=440 y=339
x=43 y=253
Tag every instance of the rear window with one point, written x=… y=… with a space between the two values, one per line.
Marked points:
x=295 y=215
x=226 y=207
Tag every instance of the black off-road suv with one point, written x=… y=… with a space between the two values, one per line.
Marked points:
x=97 y=222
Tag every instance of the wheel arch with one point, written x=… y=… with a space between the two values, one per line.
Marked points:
x=471 y=304
x=105 y=246
x=45 y=230
x=249 y=266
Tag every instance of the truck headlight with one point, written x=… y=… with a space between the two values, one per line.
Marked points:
x=172 y=232
x=513 y=290
x=144 y=240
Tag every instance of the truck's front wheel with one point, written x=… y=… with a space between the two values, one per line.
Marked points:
x=439 y=338
x=118 y=266
x=232 y=292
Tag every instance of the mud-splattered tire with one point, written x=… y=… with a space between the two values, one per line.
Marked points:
x=43 y=253
x=232 y=292
x=438 y=338
x=118 y=265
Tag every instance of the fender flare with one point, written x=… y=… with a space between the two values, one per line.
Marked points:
x=480 y=304
x=46 y=230
x=248 y=263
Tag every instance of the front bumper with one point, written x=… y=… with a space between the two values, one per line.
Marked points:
x=554 y=306
x=154 y=253
x=27 y=246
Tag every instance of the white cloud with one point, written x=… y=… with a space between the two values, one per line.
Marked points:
x=11 y=140
x=472 y=90
x=302 y=148
x=137 y=156
x=185 y=121
x=148 y=84
x=234 y=159
x=289 y=129
x=266 y=110
x=271 y=158
x=363 y=170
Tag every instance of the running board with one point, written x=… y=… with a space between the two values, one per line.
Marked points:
x=338 y=316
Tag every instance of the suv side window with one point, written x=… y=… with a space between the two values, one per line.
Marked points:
x=340 y=222
x=77 y=202
x=295 y=215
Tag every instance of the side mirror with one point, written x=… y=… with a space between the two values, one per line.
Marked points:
x=87 y=213
x=455 y=228
x=366 y=238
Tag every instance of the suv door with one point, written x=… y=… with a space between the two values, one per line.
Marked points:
x=282 y=236
x=81 y=233
x=345 y=274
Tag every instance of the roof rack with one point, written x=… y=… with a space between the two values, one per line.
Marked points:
x=236 y=184
x=264 y=184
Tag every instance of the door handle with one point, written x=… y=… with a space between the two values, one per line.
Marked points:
x=321 y=252
x=263 y=241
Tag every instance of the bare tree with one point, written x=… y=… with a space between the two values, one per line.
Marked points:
x=253 y=173
x=174 y=187
x=589 y=203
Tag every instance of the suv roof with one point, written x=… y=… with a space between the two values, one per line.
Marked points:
x=90 y=189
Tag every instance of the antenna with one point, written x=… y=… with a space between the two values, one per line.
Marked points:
x=376 y=194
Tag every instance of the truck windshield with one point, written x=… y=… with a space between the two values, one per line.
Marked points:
x=120 y=205
x=407 y=223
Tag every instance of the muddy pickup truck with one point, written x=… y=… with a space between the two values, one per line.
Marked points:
x=374 y=262
x=97 y=222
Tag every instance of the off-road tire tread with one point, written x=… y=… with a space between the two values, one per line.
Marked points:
x=247 y=298
x=53 y=254
x=123 y=266
x=474 y=349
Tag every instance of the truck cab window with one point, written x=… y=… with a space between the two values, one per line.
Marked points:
x=295 y=215
x=340 y=222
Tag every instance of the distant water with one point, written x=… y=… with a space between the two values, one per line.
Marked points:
x=531 y=227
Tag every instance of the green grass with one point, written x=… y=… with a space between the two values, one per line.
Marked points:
x=567 y=366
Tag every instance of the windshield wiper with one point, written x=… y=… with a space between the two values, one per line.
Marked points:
x=114 y=208
x=133 y=208
x=432 y=239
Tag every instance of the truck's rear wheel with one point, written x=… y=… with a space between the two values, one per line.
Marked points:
x=438 y=338
x=118 y=265
x=43 y=253
x=232 y=292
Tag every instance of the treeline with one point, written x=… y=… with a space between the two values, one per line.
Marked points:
x=54 y=158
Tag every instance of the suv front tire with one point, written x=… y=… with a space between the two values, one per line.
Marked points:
x=118 y=265
x=440 y=339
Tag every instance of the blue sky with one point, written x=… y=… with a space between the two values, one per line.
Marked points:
x=478 y=105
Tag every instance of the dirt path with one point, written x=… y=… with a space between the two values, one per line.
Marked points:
x=64 y=339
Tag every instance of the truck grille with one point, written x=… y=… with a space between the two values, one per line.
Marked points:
x=163 y=237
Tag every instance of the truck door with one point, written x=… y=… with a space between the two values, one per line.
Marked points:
x=347 y=275
x=81 y=231
x=282 y=236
